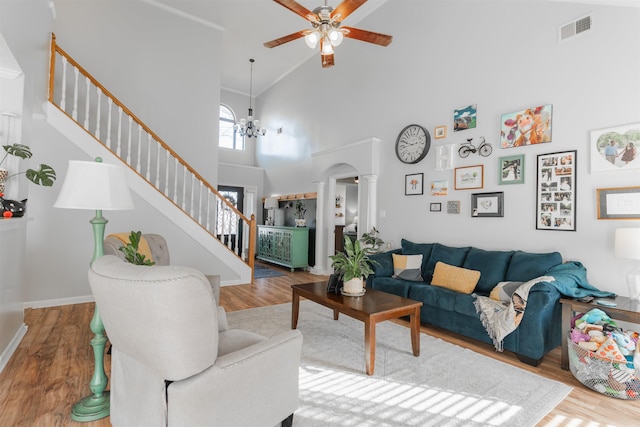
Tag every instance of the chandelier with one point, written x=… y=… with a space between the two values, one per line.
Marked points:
x=250 y=127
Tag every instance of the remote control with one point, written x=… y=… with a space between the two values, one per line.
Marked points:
x=606 y=303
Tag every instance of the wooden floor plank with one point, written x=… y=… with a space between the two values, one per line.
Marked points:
x=53 y=364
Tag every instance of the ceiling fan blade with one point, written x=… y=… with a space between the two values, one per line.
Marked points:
x=298 y=9
x=346 y=8
x=327 y=60
x=285 y=39
x=367 y=36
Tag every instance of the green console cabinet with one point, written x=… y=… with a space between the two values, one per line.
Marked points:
x=288 y=246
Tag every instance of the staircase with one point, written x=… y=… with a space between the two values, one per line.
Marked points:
x=98 y=123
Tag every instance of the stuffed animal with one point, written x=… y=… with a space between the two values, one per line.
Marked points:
x=12 y=208
x=625 y=344
x=577 y=336
x=594 y=316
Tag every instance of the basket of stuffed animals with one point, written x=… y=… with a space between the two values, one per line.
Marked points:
x=601 y=356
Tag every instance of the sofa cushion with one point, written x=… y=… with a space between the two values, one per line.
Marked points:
x=446 y=254
x=407 y=267
x=455 y=278
x=383 y=265
x=492 y=265
x=525 y=266
x=424 y=249
x=504 y=290
x=393 y=286
x=434 y=296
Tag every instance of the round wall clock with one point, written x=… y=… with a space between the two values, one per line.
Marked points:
x=413 y=144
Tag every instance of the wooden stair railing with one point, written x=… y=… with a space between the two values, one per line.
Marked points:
x=83 y=99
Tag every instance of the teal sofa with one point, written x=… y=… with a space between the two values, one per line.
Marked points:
x=540 y=329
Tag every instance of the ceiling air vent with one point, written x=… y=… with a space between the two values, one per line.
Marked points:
x=574 y=28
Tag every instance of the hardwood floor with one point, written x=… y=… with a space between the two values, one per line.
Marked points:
x=53 y=364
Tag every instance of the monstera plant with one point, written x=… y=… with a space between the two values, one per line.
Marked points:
x=45 y=175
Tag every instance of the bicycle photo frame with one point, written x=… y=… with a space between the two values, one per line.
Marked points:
x=469 y=177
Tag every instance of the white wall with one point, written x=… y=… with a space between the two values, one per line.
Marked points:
x=502 y=56
x=137 y=52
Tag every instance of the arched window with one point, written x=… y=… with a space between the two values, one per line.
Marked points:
x=228 y=137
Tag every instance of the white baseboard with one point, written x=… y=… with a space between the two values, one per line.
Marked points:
x=13 y=345
x=58 y=301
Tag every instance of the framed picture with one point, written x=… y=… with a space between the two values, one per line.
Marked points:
x=469 y=177
x=444 y=157
x=440 y=132
x=465 y=118
x=511 y=170
x=618 y=203
x=435 y=207
x=556 y=191
x=526 y=127
x=487 y=204
x=614 y=149
x=413 y=184
x=453 y=206
x=439 y=188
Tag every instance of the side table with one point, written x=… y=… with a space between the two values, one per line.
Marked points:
x=626 y=310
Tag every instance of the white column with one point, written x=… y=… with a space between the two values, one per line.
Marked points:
x=321 y=253
x=372 y=202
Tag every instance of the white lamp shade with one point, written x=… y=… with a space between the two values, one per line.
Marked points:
x=271 y=203
x=627 y=243
x=94 y=186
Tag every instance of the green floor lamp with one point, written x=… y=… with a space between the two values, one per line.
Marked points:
x=95 y=186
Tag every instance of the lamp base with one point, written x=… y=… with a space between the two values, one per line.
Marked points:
x=91 y=408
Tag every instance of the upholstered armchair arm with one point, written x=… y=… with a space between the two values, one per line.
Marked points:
x=214 y=281
x=238 y=384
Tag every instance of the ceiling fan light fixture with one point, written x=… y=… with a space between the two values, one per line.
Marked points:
x=312 y=39
x=336 y=37
x=325 y=46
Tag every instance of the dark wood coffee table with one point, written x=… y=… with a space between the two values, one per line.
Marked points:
x=371 y=308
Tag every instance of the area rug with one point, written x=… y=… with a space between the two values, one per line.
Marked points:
x=446 y=385
x=261 y=271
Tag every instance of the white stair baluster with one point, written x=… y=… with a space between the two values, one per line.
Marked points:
x=109 y=104
x=166 y=180
x=86 y=105
x=148 y=157
x=193 y=185
x=158 y=167
x=76 y=74
x=208 y=226
x=176 y=166
x=200 y=205
x=129 y=142
x=119 y=144
x=139 y=147
x=63 y=93
x=99 y=102
x=184 y=188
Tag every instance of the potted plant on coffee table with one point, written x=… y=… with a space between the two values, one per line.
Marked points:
x=354 y=265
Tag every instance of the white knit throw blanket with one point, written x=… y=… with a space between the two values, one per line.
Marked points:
x=500 y=319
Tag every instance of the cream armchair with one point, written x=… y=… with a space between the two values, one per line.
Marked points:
x=172 y=367
x=159 y=254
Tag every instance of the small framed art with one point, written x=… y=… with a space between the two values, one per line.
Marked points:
x=413 y=184
x=618 y=203
x=511 y=170
x=440 y=132
x=453 y=206
x=556 y=191
x=439 y=188
x=487 y=205
x=469 y=177
x=435 y=207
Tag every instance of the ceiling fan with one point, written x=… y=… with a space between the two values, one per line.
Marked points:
x=327 y=31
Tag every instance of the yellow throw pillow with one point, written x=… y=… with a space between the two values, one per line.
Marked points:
x=455 y=278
